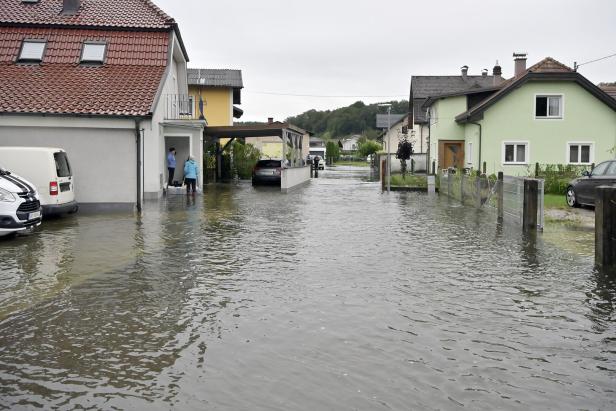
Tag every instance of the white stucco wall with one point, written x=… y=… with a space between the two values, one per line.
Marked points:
x=102 y=153
x=294 y=177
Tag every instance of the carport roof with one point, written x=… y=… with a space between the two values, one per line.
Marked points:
x=253 y=130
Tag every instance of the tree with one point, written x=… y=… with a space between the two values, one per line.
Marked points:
x=405 y=150
x=332 y=151
x=369 y=148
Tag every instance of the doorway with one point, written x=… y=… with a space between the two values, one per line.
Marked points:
x=182 y=151
x=450 y=154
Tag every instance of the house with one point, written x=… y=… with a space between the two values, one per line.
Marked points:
x=272 y=146
x=548 y=114
x=214 y=95
x=391 y=139
x=104 y=80
x=350 y=144
x=609 y=88
x=424 y=87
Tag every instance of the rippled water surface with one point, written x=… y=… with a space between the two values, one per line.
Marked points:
x=332 y=297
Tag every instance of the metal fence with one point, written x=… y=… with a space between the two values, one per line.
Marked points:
x=503 y=197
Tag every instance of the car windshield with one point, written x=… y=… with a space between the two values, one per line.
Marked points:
x=269 y=164
x=600 y=169
x=63 y=168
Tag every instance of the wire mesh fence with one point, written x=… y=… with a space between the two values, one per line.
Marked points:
x=505 y=198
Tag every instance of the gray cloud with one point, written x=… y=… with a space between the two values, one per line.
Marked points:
x=335 y=47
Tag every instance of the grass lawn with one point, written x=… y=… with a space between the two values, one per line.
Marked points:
x=555 y=201
x=352 y=163
x=409 y=181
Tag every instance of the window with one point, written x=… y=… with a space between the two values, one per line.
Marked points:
x=32 y=50
x=93 y=52
x=191 y=106
x=579 y=153
x=549 y=107
x=515 y=153
x=63 y=168
x=433 y=118
x=612 y=170
x=469 y=154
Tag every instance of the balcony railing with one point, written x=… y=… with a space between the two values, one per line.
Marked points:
x=180 y=107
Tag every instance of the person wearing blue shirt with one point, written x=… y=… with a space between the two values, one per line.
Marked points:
x=191 y=171
x=171 y=165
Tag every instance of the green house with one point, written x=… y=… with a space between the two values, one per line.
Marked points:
x=547 y=114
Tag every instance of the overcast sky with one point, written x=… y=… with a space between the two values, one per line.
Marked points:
x=371 y=48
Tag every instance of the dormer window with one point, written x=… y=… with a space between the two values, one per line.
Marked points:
x=93 y=52
x=32 y=50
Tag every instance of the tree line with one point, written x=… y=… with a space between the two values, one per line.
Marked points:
x=358 y=118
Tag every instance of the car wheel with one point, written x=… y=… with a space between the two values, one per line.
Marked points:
x=571 y=197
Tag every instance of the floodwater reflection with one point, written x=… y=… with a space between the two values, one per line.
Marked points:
x=332 y=296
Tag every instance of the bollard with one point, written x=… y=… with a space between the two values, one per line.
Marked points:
x=605 y=228
x=529 y=215
x=500 y=196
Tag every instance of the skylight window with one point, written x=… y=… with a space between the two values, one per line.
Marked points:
x=93 y=52
x=32 y=50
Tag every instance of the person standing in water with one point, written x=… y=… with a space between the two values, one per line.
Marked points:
x=171 y=165
x=191 y=171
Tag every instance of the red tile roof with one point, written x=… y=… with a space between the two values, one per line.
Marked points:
x=97 y=13
x=67 y=89
x=125 y=85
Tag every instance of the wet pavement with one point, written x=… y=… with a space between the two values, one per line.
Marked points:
x=332 y=297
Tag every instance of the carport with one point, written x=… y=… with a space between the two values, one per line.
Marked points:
x=292 y=138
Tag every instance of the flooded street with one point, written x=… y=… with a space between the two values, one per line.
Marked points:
x=332 y=297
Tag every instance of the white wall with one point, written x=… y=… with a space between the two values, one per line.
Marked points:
x=102 y=152
x=294 y=177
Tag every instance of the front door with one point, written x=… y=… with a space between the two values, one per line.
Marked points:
x=451 y=154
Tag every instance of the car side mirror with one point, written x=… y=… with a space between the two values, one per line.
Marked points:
x=586 y=174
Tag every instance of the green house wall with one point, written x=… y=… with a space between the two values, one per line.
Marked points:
x=585 y=119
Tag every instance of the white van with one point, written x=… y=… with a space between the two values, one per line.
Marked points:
x=49 y=170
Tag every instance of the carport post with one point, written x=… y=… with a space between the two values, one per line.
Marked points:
x=605 y=228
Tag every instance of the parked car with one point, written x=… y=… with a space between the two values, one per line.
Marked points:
x=50 y=171
x=20 y=208
x=582 y=191
x=267 y=172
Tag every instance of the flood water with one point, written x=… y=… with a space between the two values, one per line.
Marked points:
x=335 y=296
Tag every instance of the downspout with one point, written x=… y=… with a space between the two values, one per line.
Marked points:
x=139 y=164
x=480 y=132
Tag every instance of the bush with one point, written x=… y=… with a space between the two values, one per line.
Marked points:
x=558 y=176
x=245 y=157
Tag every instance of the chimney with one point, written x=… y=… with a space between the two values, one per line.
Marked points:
x=484 y=73
x=497 y=72
x=520 y=63
x=464 y=72
x=270 y=120
x=70 y=7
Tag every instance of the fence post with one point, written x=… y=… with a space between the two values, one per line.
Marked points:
x=500 y=197
x=605 y=228
x=529 y=215
x=434 y=167
x=448 y=183
x=383 y=173
x=478 y=189
x=462 y=188
x=412 y=166
x=537 y=170
x=485 y=167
